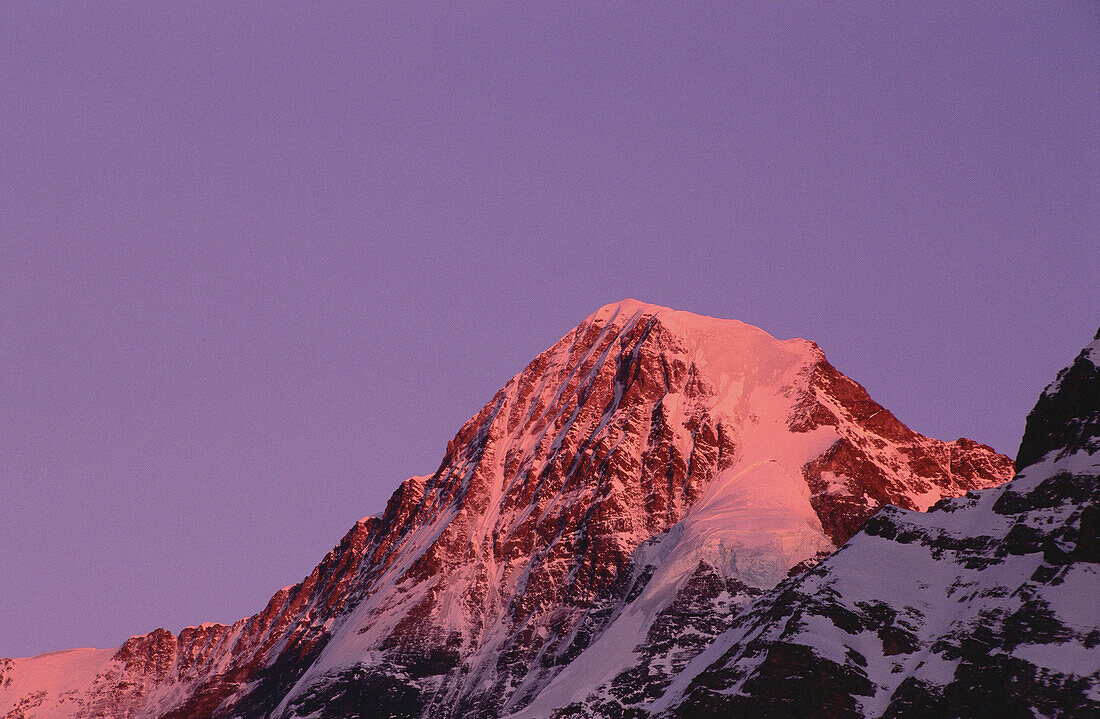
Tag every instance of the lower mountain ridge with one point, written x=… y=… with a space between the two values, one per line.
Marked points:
x=645 y=522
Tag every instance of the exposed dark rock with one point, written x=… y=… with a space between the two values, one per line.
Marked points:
x=1066 y=419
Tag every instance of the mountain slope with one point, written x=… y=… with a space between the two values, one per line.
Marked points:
x=653 y=470
x=986 y=606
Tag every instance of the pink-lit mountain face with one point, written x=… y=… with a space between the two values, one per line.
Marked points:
x=594 y=528
x=985 y=607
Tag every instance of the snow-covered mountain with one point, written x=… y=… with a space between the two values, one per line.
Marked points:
x=986 y=606
x=604 y=525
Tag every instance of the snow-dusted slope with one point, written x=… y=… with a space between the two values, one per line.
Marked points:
x=986 y=606
x=607 y=514
x=43 y=685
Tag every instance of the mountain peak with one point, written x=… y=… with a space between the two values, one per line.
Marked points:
x=1067 y=416
x=649 y=455
x=627 y=306
x=630 y=310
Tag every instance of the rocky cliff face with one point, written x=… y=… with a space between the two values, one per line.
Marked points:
x=589 y=535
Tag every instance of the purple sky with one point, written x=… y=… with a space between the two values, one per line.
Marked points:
x=258 y=264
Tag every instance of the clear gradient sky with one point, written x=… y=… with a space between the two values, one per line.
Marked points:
x=259 y=263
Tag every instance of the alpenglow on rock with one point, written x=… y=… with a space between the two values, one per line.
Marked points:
x=615 y=510
x=986 y=606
